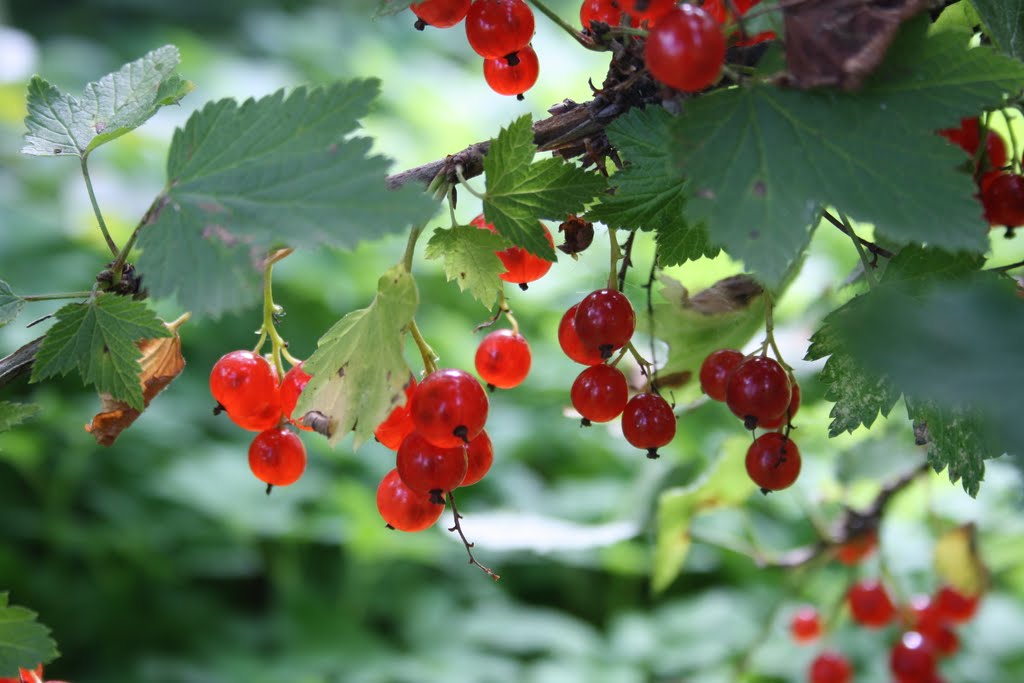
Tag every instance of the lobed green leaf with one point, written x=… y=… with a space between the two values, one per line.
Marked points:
x=1004 y=23
x=10 y=304
x=24 y=642
x=470 y=258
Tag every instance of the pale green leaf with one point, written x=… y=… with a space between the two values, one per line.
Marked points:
x=521 y=191
x=59 y=124
x=649 y=195
x=280 y=170
x=960 y=16
x=1004 y=23
x=724 y=484
x=10 y=304
x=13 y=414
x=24 y=642
x=358 y=371
x=762 y=161
x=98 y=340
x=470 y=258
x=961 y=441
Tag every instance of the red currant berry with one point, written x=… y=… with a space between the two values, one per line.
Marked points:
x=912 y=659
x=295 y=380
x=499 y=28
x=647 y=10
x=605 y=321
x=513 y=79
x=870 y=604
x=480 y=457
x=858 y=547
x=439 y=13
x=773 y=462
x=790 y=412
x=830 y=667
x=521 y=267
x=715 y=370
x=648 y=422
x=25 y=675
x=404 y=509
x=398 y=424
x=942 y=637
x=245 y=385
x=758 y=390
x=953 y=606
x=277 y=457
x=449 y=408
x=603 y=11
x=686 y=49
x=503 y=359
x=599 y=394
x=1003 y=199
x=571 y=343
x=968 y=138
x=426 y=468
x=721 y=13
x=805 y=626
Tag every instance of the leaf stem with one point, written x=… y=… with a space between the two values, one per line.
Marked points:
x=278 y=346
x=868 y=268
x=61 y=295
x=426 y=353
x=410 y=246
x=567 y=27
x=96 y=208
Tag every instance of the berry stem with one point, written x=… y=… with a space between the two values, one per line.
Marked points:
x=1015 y=157
x=96 y=207
x=456 y=517
x=426 y=353
x=868 y=267
x=567 y=27
x=769 y=332
x=615 y=255
x=410 y=246
x=278 y=346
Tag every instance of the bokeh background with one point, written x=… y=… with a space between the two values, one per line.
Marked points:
x=160 y=560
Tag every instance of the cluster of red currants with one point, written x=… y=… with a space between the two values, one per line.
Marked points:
x=1001 y=191
x=500 y=31
x=246 y=387
x=589 y=333
x=926 y=623
x=759 y=391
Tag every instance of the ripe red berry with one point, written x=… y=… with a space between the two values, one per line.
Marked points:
x=521 y=267
x=870 y=604
x=830 y=667
x=277 y=457
x=912 y=659
x=513 y=79
x=858 y=547
x=758 y=390
x=499 y=28
x=686 y=49
x=503 y=359
x=599 y=393
x=480 y=457
x=426 y=468
x=398 y=424
x=295 y=380
x=245 y=385
x=805 y=626
x=404 y=509
x=571 y=343
x=647 y=10
x=721 y=12
x=1003 y=199
x=788 y=414
x=715 y=370
x=968 y=138
x=449 y=408
x=439 y=13
x=773 y=462
x=25 y=675
x=648 y=422
x=955 y=607
x=604 y=11
x=605 y=321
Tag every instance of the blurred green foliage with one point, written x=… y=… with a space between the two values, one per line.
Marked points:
x=161 y=560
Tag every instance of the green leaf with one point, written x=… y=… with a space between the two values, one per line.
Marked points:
x=762 y=161
x=521 y=191
x=59 y=124
x=389 y=7
x=725 y=315
x=724 y=484
x=1004 y=24
x=960 y=16
x=13 y=414
x=470 y=259
x=98 y=340
x=649 y=194
x=358 y=371
x=10 y=304
x=24 y=642
x=961 y=441
x=280 y=170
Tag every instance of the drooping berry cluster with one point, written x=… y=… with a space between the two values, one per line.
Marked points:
x=441 y=444
x=759 y=391
x=500 y=31
x=589 y=333
x=246 y=387
x=927 y=632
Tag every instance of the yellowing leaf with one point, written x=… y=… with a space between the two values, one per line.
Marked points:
x=958 y=563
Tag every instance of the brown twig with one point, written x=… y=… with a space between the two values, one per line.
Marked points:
x=465 y=541
x=19 y=363
x=875 y=250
